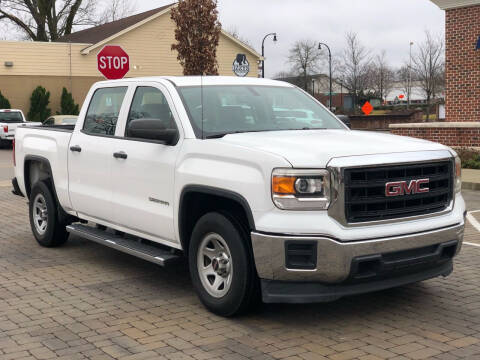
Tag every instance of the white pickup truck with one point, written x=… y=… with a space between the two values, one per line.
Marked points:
x=263 y=200
x=10 y=119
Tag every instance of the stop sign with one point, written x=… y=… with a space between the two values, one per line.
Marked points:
x=113 y=62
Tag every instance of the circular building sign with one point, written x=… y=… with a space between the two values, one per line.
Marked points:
x=241 y=67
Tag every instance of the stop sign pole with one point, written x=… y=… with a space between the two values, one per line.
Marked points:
x=113 y=62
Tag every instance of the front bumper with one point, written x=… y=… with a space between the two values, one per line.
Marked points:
x=367 y=260
x=308 y=292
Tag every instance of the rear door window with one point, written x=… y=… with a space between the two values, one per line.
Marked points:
x=103 y=111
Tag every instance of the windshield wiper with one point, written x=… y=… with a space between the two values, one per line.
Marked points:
x=220 y=135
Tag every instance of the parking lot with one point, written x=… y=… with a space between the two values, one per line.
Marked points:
x=85 y=301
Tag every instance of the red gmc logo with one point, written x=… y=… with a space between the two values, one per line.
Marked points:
x=399 y=188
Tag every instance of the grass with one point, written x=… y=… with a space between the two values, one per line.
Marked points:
x=431 y=117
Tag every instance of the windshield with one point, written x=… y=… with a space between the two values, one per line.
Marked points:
x=11 y=117
x=233 y=109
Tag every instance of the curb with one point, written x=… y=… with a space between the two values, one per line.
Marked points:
x=466 y=185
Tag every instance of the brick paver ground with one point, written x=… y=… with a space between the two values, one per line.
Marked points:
x=85 y=301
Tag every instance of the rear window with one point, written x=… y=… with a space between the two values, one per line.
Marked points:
x=11 y=117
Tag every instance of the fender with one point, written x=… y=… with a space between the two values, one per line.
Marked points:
x=62 y=214
x=208 y=190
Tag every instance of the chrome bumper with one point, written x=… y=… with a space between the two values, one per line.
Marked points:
x=335 y=258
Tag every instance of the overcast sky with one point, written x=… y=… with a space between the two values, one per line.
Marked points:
x=387 y=25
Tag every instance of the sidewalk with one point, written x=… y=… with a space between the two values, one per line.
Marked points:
x=470 y=179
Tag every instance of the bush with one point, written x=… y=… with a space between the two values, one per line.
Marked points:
x=470 y=158
x=67 y=104
x=39 y=101
x=4 y=103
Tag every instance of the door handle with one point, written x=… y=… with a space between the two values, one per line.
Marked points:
x=76 y=148
x=120 y=155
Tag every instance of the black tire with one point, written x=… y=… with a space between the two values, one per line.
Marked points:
x=243 y=289
x=54 y=234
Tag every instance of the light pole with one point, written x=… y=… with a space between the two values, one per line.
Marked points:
x=263 y=50
x=330 y=68
x=409 y=77
x=313 y=87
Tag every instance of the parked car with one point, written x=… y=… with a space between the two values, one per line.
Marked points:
x=10 y=119
x=61 y=120
x=345 y=119
x=202 y=168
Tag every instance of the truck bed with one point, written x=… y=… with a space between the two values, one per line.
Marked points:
x=48 y=143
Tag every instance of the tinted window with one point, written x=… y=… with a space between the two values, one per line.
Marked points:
x=150 y=103
x=230 y=109
x=11 y=117
x=102 y=114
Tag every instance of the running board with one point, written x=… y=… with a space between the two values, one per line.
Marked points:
x=133 y=247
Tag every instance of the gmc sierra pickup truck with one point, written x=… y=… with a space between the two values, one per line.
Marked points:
x=265 y=192
x=10 y=119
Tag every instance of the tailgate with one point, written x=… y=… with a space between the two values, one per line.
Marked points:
x=8 y=130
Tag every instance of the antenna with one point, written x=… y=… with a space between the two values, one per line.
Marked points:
x=201 y=99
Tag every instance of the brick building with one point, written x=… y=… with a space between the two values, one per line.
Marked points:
x=462 y=67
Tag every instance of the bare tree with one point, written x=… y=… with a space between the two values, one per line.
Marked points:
x=382 y=76
x=304 y=58
x=117 y=9
x=197 y=35
x=236 y=34
x=283 y=74
x=402 y=77
x=428 y=66
x=354 y=72
x=48 y=20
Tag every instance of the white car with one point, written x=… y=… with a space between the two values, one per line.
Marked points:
x=260 y=206
x=10 y=119
x=61 y=120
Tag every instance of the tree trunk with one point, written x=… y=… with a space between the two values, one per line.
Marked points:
x=428 y=108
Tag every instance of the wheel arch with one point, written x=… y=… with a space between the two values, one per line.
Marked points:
x=37 y=168
x=197 y=200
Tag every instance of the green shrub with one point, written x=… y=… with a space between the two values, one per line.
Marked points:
x=39 y=101
x=4 y=103
x=470 y=158
x=67 y=104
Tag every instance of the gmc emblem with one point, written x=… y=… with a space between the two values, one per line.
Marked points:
x=399 y=188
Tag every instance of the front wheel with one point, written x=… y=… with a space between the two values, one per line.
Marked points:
x=44 y=222
x=221 y=266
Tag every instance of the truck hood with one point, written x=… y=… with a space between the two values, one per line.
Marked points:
x=315 y=148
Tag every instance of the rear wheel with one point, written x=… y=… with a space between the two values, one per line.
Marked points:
x=221 y=266
x=46 y=228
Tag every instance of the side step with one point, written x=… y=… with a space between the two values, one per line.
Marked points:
x=130 y=246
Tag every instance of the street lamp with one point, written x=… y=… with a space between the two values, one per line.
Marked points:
x=263 y=50
x=409 y=77
x=330 y=68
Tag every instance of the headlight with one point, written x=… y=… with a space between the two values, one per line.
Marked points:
x=458 y=174
x=301 y=189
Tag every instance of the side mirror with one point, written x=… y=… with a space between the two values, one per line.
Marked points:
x=152 y=129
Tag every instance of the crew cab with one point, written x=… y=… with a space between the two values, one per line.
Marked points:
x=263 y=201
x=10 y=119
